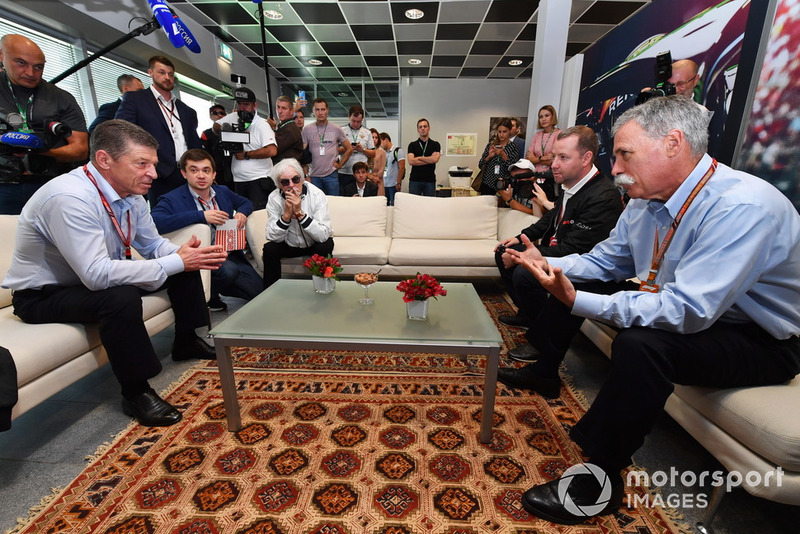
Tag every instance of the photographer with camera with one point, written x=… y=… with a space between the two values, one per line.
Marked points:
x=583 y=215
x=678 y=78
x=523 y=193
x=49 y=115
x=497 y=156
x=252 y=160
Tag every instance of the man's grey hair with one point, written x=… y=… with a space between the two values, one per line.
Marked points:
x=117 y=137
x=282 y=166
x=659 y=115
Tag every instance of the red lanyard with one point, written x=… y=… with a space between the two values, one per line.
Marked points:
x=205 y=205
x=650 y=285
x=126 y=241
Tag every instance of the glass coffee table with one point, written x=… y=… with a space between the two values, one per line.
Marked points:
x=290 y=315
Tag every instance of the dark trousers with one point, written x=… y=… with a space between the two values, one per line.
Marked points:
x=236 y=278
x=525 y=291
x=344 y=181
x=118 y=310
x=257 y=191
x=274 y=251
x=646 y=363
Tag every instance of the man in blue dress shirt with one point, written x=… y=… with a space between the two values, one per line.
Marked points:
x=72 y=263
x=718 y=253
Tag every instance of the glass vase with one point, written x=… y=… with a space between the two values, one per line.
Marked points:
x=417 y=310
x=323 y=285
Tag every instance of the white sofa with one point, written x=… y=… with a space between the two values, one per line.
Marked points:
x=49 y=357
x=746 y=429
x=444 y=237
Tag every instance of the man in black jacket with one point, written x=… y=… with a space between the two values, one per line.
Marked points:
x=584 y=214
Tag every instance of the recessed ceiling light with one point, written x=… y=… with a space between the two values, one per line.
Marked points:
x=414 y=14
x=314 y=62
x=515 y=62
x=273 y=15
x=414 y=61
x=343 y=94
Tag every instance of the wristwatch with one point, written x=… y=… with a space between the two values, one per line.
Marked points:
x=247 y=155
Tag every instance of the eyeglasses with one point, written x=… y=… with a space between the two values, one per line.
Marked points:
x=218 y=113
x=295 y=180
x=684 y=83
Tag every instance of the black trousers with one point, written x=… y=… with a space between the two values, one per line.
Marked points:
x=525 y=291
x=118 y=310
x=273 y=252
x=646 y=363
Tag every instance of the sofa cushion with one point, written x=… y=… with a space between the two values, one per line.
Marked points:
x=357 y=217
x=418 y=217
x=39 y=348
x=510 y=223
x=8 y=228
x=362 y=250
x=755 y=416
x=464 y=252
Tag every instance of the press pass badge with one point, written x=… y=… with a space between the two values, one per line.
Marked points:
x=497 y=169
x=321 y=150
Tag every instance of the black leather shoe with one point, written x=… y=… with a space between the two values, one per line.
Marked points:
x=587 y=499
x=196 y=348
x=513 y=321
x=151 y=410
x=524 y=353
x=526 y=378
x=216 y=304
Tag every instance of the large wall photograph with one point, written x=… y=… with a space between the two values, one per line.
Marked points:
x=769 y=149
x=619 y=66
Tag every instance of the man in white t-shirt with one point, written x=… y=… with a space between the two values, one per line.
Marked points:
x=361 y=140
x=251 y=166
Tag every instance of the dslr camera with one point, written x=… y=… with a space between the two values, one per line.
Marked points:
x=663 y=74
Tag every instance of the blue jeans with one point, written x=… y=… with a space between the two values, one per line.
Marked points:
x=390 y=193
x=236 y=278
x=14 y=196
x=329 y=184
x=425 y=189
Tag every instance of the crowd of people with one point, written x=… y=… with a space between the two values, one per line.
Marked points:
x=716 y=304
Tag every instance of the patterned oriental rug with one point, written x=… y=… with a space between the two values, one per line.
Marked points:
x=328 y=447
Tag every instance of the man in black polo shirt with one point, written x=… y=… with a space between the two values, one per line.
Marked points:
x=423 y=155
x=23 y=92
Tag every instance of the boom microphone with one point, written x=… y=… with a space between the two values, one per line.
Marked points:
x=178 y=34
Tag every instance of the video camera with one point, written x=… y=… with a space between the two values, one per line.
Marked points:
x=18 y=148
x=663 y=74
x=233 y=137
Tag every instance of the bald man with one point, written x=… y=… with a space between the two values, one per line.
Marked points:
x=685 y=77
x=23 y=91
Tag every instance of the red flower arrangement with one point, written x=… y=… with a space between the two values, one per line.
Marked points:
x=421 y=287
x=328 y=267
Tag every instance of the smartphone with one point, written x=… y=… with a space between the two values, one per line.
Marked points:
x=498 y=146
x=301 y=95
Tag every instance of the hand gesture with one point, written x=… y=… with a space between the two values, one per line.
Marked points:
x=241 y=220
x=195 y=257
x=216 y=217
x=531 y=253
x=505 y=194
x=552 y=279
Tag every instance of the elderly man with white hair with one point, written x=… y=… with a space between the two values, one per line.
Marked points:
x=298 y=220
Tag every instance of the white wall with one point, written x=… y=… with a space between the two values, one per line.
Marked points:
x=458 y=106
